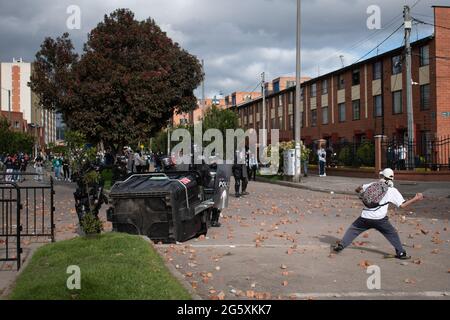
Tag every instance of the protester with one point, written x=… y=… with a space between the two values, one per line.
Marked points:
x=9 y=165
x=57 y=163
x=66 y=168
x=376 y=198
x=38 y=166
x=321 y=153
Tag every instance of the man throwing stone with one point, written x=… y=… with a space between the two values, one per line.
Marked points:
x=376 y=198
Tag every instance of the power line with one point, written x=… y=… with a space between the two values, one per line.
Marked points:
x=430 y=24
x=387 y=38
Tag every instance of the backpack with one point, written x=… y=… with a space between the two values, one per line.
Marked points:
x=372 y=196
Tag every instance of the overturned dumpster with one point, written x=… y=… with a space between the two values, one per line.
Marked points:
x=167 y=207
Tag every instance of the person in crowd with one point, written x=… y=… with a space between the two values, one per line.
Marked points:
x=401 y=153
x=57 y=163
x=16 y=168
x=322 y=155
x=305 y=159
x=9 y=165
x=374 y=214
x=23 y=165
x=66 y=168
x=38 y=166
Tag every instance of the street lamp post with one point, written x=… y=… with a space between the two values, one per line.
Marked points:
x=298 y=99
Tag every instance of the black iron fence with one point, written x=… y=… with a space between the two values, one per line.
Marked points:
x=26 y=211
x=427 y=154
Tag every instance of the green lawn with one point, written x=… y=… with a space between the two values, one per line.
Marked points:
x=113 y=266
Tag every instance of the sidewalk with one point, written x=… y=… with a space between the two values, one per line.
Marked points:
x=347 y=185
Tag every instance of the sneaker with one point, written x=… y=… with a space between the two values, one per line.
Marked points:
x=237 y=195
x=338 y=248
x=245 y=193
x=215 y=224
x=403 y=256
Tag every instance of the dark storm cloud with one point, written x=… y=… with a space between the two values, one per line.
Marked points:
x=238 y=39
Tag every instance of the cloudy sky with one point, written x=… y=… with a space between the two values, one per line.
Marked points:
x=238 y=39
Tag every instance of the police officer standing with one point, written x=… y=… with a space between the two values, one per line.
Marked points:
x=240 y=174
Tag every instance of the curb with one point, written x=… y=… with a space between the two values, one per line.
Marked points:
x=177 y=274
x=7 y=292
x=322 y=190
x=299 y=186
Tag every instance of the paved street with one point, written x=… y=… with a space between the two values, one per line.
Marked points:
x=275 y=243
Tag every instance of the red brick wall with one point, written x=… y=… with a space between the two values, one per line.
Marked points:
x=442 y=19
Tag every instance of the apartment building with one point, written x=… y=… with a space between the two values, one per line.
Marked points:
x=17 y=98
x=368 y=98
x=195 y=116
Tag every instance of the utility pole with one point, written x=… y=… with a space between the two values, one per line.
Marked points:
x=409 y=100
x=203 y=86
x=263 y=89
x=298 y=99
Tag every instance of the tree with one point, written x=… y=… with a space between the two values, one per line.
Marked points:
x=13 y=142
x=221 y=119
x=124 y=87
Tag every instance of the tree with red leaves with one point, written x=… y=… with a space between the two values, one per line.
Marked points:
x=124 y=87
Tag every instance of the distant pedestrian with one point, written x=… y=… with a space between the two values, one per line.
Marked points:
x=322 y=155
x=38 y=166
x=66 y=168
x=376 y=198
x=57 y=164
x=253 y=166
x=240 y=174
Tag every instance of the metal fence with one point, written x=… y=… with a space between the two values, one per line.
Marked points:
x=427 y=154
x=26 y=211
x=346 y=154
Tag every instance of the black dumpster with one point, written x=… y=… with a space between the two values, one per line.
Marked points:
x=166 y=207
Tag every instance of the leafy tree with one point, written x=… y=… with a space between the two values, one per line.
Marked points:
x=221 y=119
x=124 y=87
x=12 y=142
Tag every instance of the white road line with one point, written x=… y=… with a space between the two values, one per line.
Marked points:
x=423 y=294
x=233 y=246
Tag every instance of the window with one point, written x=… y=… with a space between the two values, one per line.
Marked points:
x=341 y=82
x=313 y=118
x=325 y=115
x=291 y=122
x=397 y=64
x=291 y=97
x=341 y=108
x=377 y=70
x=424 y=56
x=377 y=106
x=280 y=100
x=16 y=124
x=276 y=86
x=301 y=119
x=290 y=84
x=314 y=90
x=325 y=86
x=356 y=109
x=355 y=77
x=272 y=125
x=302 y=92
x=280 y=123
x=425 y=97
x=397 y=102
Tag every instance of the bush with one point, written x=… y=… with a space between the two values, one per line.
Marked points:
x=366 y=154
x=91 y=224
x=345 y=156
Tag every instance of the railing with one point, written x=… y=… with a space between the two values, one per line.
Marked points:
x=26 y=210
x=429 y=154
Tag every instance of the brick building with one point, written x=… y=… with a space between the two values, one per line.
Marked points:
x=368 y=98
x=24 y=104
x=195 y=116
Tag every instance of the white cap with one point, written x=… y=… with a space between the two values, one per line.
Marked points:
x=387 y=173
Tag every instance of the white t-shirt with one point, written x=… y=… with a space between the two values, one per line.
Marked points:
x=322 y=154
x=392 y=196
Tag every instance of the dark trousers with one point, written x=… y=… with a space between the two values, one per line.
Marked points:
x=321 y=168
x=383 y=226
x=238 y=182
x=66 y=172
x=252 y=173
